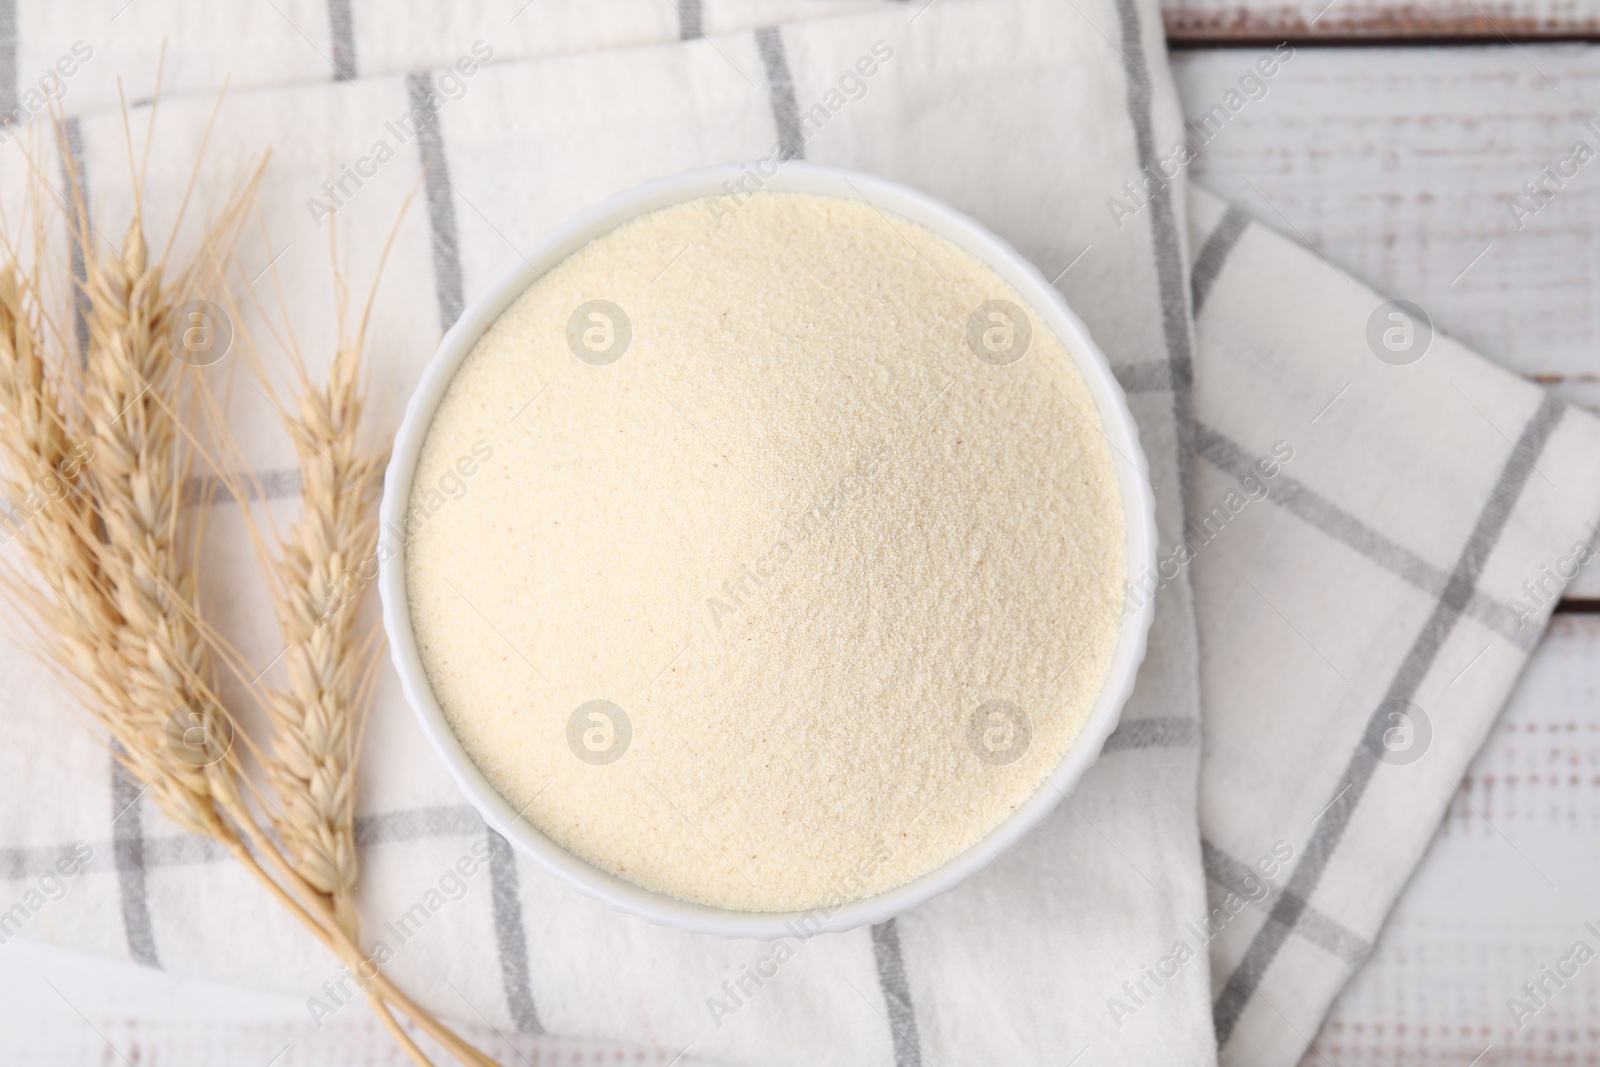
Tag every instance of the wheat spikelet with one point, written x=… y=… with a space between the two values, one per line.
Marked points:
x=135 y=484
x=314 y=718
x=318 y=573
x=41 y=467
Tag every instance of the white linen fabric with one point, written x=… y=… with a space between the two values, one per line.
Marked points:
x=1348 y=516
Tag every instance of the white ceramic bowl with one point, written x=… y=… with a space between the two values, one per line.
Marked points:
x=1117 y=423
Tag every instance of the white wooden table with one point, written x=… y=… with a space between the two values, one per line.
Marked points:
x=1392 y=141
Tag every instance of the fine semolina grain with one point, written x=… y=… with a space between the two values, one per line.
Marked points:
x=764 y=574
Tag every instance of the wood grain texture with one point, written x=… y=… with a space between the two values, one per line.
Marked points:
x=1193 y=22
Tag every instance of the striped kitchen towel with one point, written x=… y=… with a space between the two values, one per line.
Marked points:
x=1353 y=510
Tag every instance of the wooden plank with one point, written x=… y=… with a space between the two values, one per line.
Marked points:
x=1399 y=164
x=1193 y=22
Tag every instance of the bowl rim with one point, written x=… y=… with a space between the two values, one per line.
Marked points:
x=1117 y=424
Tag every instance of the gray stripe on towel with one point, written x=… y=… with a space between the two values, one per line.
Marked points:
x=780 y=91
x=1167 y=246
x=259 y=485
x=342 y=35
x=184 y=850
x=510 y=938
x=1214 y=253
x=75 y=188
x=417 y=824
x=1153 y=733
x=127 y=849
x=441 y=201
x=896 y=994
x=1154 y=376
x=1452 y=602
x=10 y=76
x=1315 y=926
x=22 y=863
x=691 y=20
x=1311 y=507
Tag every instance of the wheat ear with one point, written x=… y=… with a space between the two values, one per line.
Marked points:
x=314 y=718
x=319 y=572
x=135 y=481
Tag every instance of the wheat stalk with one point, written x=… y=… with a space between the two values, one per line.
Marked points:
x=314 y=717
x=112 y=585
x=330 y=650
x=134 y=488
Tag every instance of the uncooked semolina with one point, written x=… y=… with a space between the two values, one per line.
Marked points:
x=781 y=572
